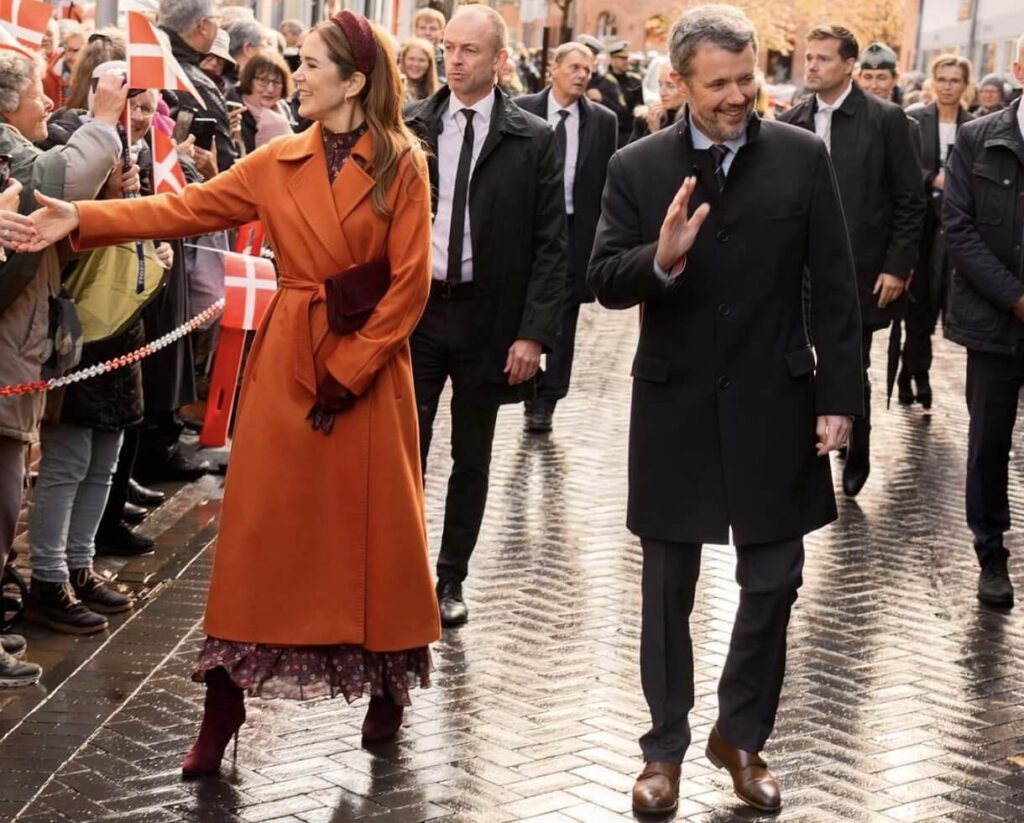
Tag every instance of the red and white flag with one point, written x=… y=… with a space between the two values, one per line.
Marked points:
x=249 y=286
x=168 y=177
x=26 y=20
x=150 y=62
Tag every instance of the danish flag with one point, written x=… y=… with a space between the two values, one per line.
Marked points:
x=168 y=177
x=249 y=286
x=26 y=20
x=150 y=62
x=9 y=43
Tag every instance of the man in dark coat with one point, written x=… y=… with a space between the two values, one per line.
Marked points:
x=632 y=86
x=939 y=122
x=499 y=271
x=983 y=217
x=733 y=412
x=876 y=170
x=603 y=88
x=585 y=134
x=192 y=26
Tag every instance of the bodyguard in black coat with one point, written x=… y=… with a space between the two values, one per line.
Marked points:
x=733 y=411
x=587 y=139
x=876 y=169
x=499 y=270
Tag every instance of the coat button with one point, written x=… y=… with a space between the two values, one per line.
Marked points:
x=723 y=236
x=724 y=310
x=723 y=382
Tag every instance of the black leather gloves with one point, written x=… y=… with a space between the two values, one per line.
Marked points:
x=331 y=398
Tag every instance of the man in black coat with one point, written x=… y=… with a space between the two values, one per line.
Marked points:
x=499 y=271
x=632 y=86
x=733 y=412
x=585 y=135
x=603 y=87
x=983 y=217
x=192 y=26
x=939 y=123
x=875 y=167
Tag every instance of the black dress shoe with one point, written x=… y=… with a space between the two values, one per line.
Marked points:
x=994 y=586
x=450 y=603
x=538 y=416
x=924 y=389
x=133 y=514
x=175 y=468
x=141 y=496
x=120 y=541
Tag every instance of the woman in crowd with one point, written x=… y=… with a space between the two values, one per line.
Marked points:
x=664 y=112
x=103 y=46
x=418 y=66
x=356 y=608
x=29 y=280
x=265 y=85
x=508 y=79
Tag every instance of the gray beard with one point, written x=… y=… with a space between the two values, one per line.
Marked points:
x=715 y=135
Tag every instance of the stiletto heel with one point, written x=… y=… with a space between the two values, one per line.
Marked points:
x=223 y=715
x=235 y=755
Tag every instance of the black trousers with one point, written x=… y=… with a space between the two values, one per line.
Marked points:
x=860 y=433
x=769 y=576
x=553 y=382
x=119 y=483
x=993 y=387
x=444 y=346
x=919 y=323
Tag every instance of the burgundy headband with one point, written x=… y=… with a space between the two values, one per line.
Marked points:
x=360 y=37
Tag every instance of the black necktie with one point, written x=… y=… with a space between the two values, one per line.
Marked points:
x=457 y=232
x=561 y=141
x=718 y=155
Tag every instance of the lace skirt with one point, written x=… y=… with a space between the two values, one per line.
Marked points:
x=306 y=672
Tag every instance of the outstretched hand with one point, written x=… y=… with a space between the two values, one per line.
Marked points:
x=54 y=221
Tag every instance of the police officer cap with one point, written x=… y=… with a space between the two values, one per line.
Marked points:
x=591 y=43
x=618 y=47
x=878 y=56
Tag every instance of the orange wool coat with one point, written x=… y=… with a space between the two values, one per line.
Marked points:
x=322 y=538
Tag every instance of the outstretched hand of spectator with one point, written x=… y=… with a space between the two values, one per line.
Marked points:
x=54 y=221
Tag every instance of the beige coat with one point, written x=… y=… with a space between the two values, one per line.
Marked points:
x=89 y=156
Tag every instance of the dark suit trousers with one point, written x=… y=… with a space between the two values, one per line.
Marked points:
x=920 y=322
x=769 y=576
x=553 y=382
x=444 y=346
x=993 y=386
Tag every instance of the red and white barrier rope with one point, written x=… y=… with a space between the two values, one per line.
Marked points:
x=118 y=362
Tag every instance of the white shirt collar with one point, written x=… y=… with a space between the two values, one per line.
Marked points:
x=554 y=107
x=838 y=102
x=1020 y=118
x=483 y=108
x=701 y=141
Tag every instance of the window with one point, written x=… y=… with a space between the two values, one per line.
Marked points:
x=607 y=25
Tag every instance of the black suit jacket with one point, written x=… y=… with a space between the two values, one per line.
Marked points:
x=517 y=225
x=726 y=387
x=873 y=157
x=598 y=141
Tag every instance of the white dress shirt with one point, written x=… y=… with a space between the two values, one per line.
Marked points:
x=1020 y=118
x=572 y=143
x=449 y=147
x=823 y=116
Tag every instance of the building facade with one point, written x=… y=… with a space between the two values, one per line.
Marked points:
x=985 y=31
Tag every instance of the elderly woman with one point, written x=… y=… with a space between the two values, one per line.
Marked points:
x=75 y=171
x=265 y=85
x=418 y=65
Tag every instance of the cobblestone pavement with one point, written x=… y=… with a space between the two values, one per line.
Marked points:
x=904 y=699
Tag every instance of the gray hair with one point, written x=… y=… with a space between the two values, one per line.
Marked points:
x=246 y=33
x=571 y=47
x=1020 y=49
x=16 y=73
x=181 y=16
x=726 y=27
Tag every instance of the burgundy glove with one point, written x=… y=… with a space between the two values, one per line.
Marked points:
x=331 y=398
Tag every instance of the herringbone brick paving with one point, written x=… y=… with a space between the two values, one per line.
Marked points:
x=904 y=699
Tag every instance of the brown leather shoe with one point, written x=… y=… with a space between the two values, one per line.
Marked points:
x=657 y=788
x=751 y=780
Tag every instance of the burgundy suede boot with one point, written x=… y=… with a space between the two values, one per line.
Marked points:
x=383 y=719
x=223 y=715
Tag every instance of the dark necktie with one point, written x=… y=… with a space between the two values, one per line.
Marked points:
x=718 y=155
x=561 y=140
x=457 y=231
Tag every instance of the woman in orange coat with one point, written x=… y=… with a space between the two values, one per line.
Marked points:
x=321 y=582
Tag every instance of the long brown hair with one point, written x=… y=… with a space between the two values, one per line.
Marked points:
x=382 y=104
x=103 y=46
x=428 y=83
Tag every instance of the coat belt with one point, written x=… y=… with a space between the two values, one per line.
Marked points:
x=305 y=365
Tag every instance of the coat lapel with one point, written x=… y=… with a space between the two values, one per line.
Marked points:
x=586 y=135
x=314 y=201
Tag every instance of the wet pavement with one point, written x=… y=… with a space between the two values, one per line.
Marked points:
x=904 y=699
